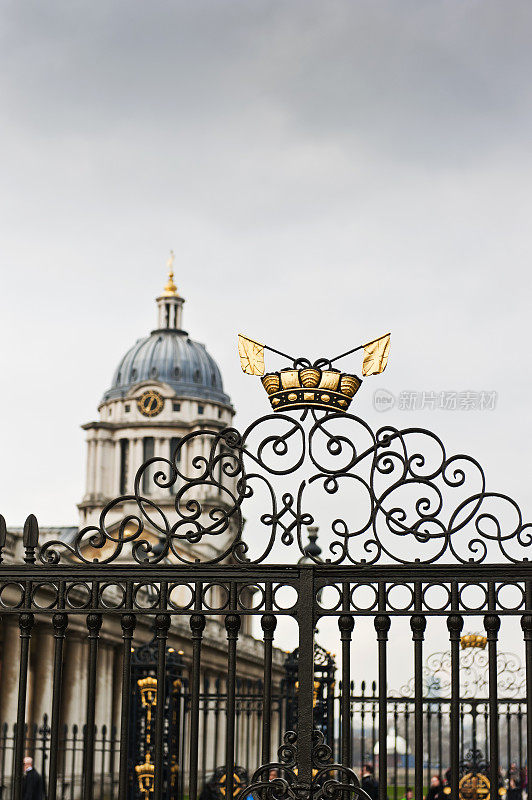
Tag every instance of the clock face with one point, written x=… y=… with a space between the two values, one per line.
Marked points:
x=150 y=403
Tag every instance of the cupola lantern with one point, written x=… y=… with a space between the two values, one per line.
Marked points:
x=170 y=303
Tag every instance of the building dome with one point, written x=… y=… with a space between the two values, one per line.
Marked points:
x=165 y=388
x=168 y=355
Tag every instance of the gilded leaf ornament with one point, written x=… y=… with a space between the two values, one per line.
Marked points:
x=251 y=355
x=376 y=356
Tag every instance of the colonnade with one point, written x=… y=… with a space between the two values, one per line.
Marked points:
x=211 y=740
x=40 y=676
x=104 y=460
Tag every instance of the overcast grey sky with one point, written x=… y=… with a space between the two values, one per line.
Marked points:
x=325 y=171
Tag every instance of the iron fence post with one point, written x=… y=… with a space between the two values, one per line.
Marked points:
x=306 y=621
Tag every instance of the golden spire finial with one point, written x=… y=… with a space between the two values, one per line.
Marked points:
x=170 y=287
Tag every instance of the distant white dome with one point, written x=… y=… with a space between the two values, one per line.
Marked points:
x=394 y=744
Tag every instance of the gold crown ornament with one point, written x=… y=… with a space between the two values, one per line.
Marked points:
x=148 y=691
x=310 y=386
x=473 y=640
x=305 y=385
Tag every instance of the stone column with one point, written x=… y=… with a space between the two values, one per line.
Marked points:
x=135 y=460
x=98 y=467
x=90 y=467
x=130 y=465
x=10 y=670
x=116 y=473
x=165 y=453
x=101 y=715
x=44 y=670
x=95 y=460
x=158 y=447
x=106 y=484
x=206 y=451
x=101 y=678
x=109 y=689
x=196 y=449
x=117 y=687
x=104 y=687
x=95 y=464
x=182 y=466
x=158 y=452
x=30 y=684
x=74 y=681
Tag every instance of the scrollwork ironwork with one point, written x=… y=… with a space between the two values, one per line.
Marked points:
x=330 y=781
x=474 y=676
x=397 y=495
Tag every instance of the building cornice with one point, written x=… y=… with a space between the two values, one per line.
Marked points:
x=202 y=422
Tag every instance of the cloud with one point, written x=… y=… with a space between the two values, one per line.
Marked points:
x=439 y=82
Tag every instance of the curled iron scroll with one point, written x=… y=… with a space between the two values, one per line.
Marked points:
x=414 y=502
x=281 y=779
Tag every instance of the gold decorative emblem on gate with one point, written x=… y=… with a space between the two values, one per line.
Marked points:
x=474 y=786
x=146 y=777
x=148 y=696
x=317 y=385
x=237 y=784
x=473 y=640
x=146 y=771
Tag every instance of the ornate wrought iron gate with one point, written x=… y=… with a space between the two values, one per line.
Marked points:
x=404 y=515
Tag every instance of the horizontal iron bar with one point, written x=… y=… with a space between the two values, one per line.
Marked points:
x=325 y=574
x=368 y=699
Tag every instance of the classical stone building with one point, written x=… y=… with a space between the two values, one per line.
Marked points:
x=165 y=387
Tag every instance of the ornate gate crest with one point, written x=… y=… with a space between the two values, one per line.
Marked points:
x=414 y=502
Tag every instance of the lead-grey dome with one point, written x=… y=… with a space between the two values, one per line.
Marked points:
x=170 y=356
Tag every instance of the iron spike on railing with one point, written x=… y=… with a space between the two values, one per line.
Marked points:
x=3 y=535
x=30 y=538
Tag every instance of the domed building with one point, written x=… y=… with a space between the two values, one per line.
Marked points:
x=165 y=386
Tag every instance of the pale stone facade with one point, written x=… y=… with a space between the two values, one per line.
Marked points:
x=187 y=395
